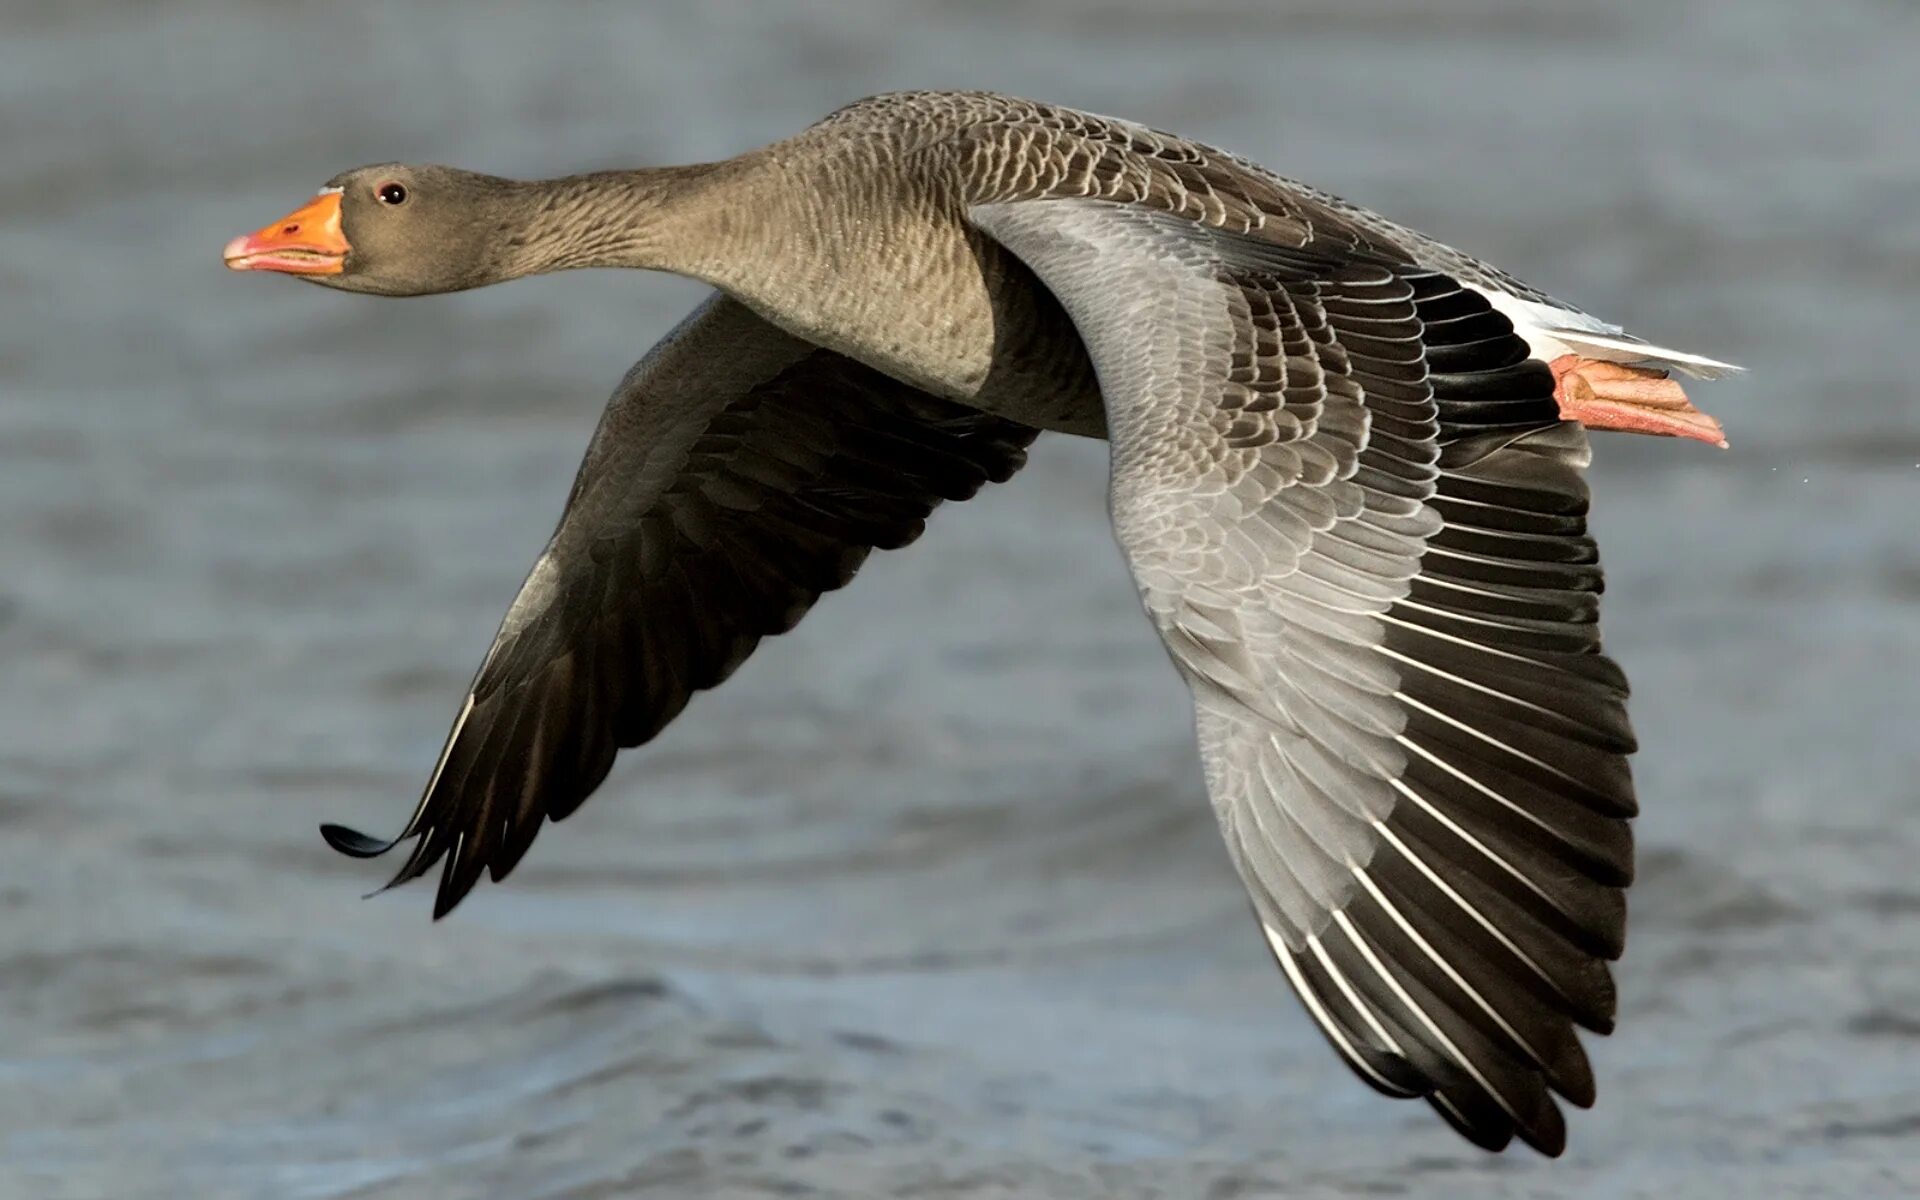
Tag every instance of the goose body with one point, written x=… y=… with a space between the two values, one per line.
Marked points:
x=1346 y=475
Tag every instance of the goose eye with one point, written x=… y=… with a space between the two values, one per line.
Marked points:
x=392 y=193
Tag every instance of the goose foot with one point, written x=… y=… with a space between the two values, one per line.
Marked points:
x=1606 y=395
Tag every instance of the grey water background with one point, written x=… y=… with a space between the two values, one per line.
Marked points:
x=927 y=901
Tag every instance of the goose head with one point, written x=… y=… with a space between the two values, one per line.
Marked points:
x=394 y=230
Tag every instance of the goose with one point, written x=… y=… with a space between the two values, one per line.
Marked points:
x=1346 y=475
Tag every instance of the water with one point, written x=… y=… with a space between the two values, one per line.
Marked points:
x=927 y=900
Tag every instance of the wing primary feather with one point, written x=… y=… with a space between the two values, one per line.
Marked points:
x=1362 y=1063
x=1446 y=967
x=1420 y=1014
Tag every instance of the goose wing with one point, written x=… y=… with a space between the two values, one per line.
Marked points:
x=1359 y=525
x=738 y=474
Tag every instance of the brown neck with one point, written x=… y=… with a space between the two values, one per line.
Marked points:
x=676 y=219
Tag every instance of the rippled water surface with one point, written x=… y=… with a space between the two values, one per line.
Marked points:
x=927 y=901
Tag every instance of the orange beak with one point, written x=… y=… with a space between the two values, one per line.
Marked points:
x=306 y=241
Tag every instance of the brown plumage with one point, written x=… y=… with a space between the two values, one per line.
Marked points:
x=1341 y=478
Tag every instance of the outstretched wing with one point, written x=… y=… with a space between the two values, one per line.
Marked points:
x=1359 y=524
x=738 y=473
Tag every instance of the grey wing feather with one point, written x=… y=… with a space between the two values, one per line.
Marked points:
x=737 y=475
x=1359 y=525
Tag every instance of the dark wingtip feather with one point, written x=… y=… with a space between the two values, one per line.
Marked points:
x=462 y=872
x=353 y=843
x=1546 y=1131
x=448 y=897
x=1476 y=1116
x=1481 y=1123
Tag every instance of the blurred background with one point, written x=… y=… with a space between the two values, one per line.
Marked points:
x=927 y=901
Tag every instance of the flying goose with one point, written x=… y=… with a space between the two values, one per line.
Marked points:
x=1346 y=474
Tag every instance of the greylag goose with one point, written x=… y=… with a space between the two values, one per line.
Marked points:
x=1346 y=474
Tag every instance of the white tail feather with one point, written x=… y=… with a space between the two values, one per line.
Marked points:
x=1626 y=349
x=1551 y=331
